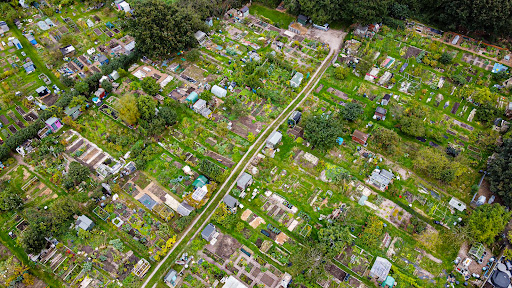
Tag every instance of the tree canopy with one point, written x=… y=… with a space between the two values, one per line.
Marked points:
x=128 y=110
x=500 y=172
x=322 y=131
x=412 y=126
x=490 y=16
x=10 y=197
x=352 y=111
x=487 y=221
x=150 y=86
x=161 y=28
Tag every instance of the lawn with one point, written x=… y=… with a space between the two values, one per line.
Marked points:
x=278 y=18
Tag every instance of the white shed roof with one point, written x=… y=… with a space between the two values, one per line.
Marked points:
x=380 y=268
x=232 y=282
x=457 y=204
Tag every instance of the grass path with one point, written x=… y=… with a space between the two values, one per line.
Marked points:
x=34 y=56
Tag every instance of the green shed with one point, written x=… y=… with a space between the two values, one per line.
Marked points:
x=109 y=25
x=200 y=181
x=390 y=282
x=192 y=97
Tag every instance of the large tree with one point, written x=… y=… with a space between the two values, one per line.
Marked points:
x=128 y=110
x=322 y=131
x=412 y=126
x=161 y=28
x=487 y=221
x=352 y=111
x=334 y=237
x=500 y=172
x=146 y=106
x=150 y=86
x=385 y=139
x=10 y=197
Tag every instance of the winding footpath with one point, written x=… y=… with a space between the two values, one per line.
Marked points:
x=203 y=218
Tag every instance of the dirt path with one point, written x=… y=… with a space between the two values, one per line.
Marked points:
x=251 y=153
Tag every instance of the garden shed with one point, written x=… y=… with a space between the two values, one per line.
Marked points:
x=192 y=97
x=360 y=137
x=83 y=222
x=457 y=204
x=385 y=100
x=67 y=50
x=200 y=181
x=3 y=27
x=72 y=112
x=200 y=37
x=199 y=105
x=53 y=124
x=230 y=202
x=17 y=44
x=209 y=232
x=29 y=67
x=100 y=93
x=244 y=181
x=380 y=113
x=303 y=20
x=31 y=39
x=171 y=278
x=219 y=91
x=244 y=12
x=102 y=59
x=294 y=118
x=381 y=178
x=380 y=269
x=274 y=139
x=110 y=25
x=185 y=209
x=296 y=80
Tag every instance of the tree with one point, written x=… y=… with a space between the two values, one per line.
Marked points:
x=398 y=10
x=352 y=111
x=82 y=87
x=78 y=172
x=500 y=172
x=168 y=115
x=385 y=139
x=341 y=72
x=33 y=239
x=501 y=76
x=487 y=113
x=334 y=237
x=10 y=197
x=363 y=67
x=161 y=28
x=487 y=221
x=150 y=86
x=66 y=80
x=458 y=79
x=107 y=85
x=485 y=96
x=446 y=58
x=211 y=170
x=127 y=107
x=146 y=107
x=322 y=131
x=412 y=126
